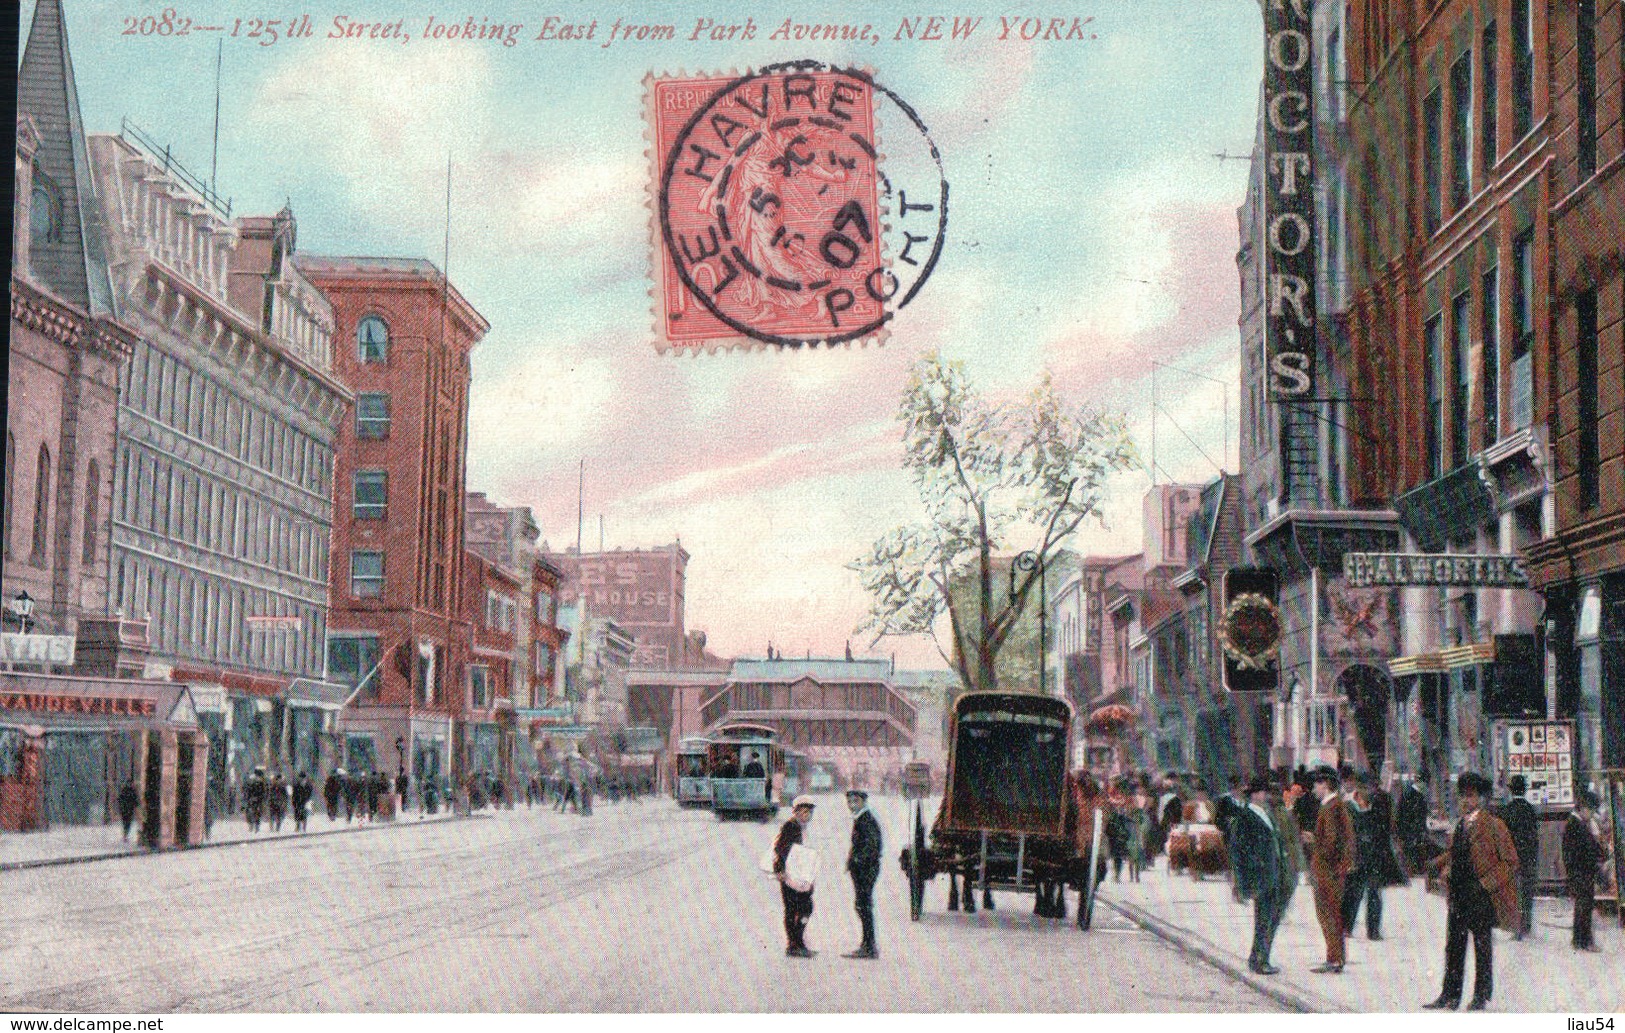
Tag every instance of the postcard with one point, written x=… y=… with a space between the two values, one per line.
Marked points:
x=804 y=508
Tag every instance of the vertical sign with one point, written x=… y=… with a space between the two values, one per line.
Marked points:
x=1289 y=200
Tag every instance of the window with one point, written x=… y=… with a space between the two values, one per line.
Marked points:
x=372 y=339
x=1461 y=130
x=1585 y=339
x=1432 y=384
x=11 y=481
x=1461 y=318
x=42 y=506
x=1432 y=114
x=372 y=415
x=93 y=511
x=352 y=657
x=366 y=574
x=371 y=494
x=479 y=686
x=1491 y=359
x=44 y=211
x=1523 y=339
x=1585 y=56
x=1523 y=67
x=1486 y=73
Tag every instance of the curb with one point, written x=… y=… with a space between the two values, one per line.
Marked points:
x=53 y=862
x=1189 y=942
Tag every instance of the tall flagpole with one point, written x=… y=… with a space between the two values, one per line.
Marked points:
x=214 y=162
x=581 y=484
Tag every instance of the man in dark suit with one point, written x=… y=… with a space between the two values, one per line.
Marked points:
x=1480 y=869
x=1329 y=865
x=1229 y=806
x=1524 y=825
x=1255 y=858
x=1411 y=824
x=1582 y=860
x=798 y=904
x=863 y=864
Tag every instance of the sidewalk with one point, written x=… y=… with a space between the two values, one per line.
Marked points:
x=1398 y=974
x=70 y=844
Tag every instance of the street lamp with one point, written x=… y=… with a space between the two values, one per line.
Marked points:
x=1028 y=562
x=22 y=608
x=400 y=755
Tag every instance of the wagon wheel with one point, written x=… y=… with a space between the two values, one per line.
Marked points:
x=916 y=879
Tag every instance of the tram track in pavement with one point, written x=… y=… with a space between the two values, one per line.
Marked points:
x=376 y=936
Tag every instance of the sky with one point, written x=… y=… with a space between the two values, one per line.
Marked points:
x=1092 y=233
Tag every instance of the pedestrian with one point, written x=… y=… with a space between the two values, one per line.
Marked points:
x=276 y=801
x=1582 y=860
x=798 y=904
x=499 y=794
x=1306 y=805
x=863 y=864
x=353 y=789
x=586 y=795
x=369 y=795
x=1331 y=859
x=1255 y=857
x=128 y=799
x=1365 y=878
x=1139 y=834
x=1117 y=825
x=1523 y=824
x=431 y=796
x=254 y=798
x=1411 y=824
x=533 y=790
x=303 y=790
x=332 y=787
x=1480 y=867
x=403 y=789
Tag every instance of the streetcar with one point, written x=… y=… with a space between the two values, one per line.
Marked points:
x=1012 y=817
x=820 y=777
x=796 y=769
x=744 y=761
x=916 y=780
x=693 y=778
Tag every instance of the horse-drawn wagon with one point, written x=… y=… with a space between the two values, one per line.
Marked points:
x=1012 y=818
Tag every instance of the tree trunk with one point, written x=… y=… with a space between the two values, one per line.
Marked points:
x=987 y=677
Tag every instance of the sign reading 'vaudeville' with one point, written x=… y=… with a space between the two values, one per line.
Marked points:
x=1289 y=200
x=1365 y=569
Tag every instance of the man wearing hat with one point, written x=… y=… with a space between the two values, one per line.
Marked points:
x=1524 y=825
x=1329 y=864
x=1258 y=864
x=1582 y=860
x=798 y=904
x=1480 y=869
x=863 y=864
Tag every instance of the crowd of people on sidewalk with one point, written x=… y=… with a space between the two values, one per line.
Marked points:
x=1351 y=839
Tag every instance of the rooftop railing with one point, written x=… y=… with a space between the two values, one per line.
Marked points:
x=133 y=133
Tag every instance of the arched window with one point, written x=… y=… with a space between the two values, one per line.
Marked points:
x=42 y=506
x=372 y=339
x=44 y=211
x=93 y=510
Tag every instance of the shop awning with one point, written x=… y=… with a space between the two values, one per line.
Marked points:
x=1453 y=659
x=308 y=692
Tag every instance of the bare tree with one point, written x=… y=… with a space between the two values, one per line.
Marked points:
x=985 y=472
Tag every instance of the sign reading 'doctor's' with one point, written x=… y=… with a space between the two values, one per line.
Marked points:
x=1364 y=569
x=1289 y=200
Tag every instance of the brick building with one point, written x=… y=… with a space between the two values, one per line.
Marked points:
x=642 y=590
x=1464 y=169
x=399 y=629
x=1580 y=567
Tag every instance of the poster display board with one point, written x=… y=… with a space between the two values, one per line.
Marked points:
x=1543 y=753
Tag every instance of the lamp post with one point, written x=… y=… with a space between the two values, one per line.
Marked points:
x=400 y=755
x=1027 y=563
x=22 y=607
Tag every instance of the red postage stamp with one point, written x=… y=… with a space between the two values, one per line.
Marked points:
x=767 y=222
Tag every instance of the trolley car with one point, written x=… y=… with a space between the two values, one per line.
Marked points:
x=1012 y=818
x=795 y=775
x=744 y=761
x=916 y=780
x=693 y=777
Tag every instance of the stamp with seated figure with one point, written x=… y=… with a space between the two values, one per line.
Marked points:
x=774 y=222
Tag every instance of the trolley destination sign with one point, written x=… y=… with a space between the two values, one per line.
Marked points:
x=1381 y=569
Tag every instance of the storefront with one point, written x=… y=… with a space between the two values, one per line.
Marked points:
x=68 y=745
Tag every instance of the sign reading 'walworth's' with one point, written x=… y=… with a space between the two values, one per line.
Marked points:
x=1367 y=569
x=1289 y=200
